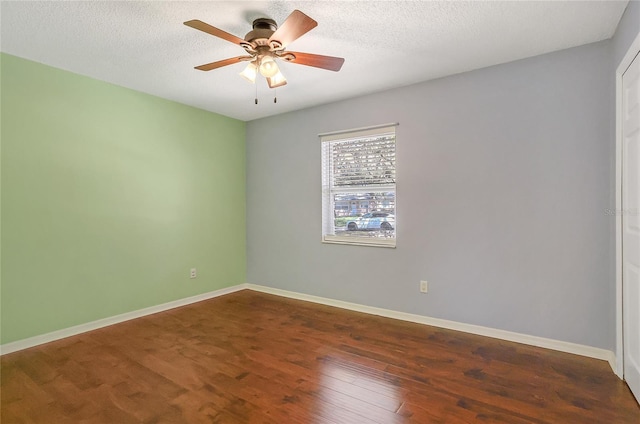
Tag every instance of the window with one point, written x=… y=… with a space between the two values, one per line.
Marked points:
x=359 y=186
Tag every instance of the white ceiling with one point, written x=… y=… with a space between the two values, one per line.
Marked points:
x=144 y=45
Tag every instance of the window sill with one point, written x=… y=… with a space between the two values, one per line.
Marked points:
x=360 y=241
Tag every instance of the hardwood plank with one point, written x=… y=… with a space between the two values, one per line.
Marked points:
x=250 y=357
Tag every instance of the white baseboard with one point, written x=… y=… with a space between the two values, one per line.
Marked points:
x=94 y=325
x=577 y=349
x=589 y=351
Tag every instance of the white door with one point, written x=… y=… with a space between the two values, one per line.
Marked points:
x=631 y=224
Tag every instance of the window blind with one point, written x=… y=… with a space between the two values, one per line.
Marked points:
x=358 y=186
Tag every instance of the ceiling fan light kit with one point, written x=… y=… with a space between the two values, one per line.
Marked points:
x=268 y=67
x=266 y=43
x=278 y=80
x=250 y=72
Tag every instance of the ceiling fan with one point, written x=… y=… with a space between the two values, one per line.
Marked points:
x=266 y=43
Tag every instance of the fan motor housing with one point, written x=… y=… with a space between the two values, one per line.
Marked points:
x=262 y=30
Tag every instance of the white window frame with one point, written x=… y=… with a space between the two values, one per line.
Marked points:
x=328 y=229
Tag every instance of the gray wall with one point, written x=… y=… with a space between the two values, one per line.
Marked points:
x=627 y=31
x=503 y=182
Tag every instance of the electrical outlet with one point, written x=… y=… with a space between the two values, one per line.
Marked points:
x=424 y=287
x=193 y=273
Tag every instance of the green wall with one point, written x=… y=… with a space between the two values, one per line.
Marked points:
x=109 y=197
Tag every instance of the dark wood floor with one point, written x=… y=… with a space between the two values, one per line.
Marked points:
x=249 y=357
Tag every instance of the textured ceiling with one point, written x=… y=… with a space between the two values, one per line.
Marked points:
x=144 y=45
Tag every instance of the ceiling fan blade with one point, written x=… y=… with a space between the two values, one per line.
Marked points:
x=204 y=27
x=295 y=26
x=318 y=61
x=221 y=63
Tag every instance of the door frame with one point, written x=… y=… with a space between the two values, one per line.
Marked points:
x=632 y=52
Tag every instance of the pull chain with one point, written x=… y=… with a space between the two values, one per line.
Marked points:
x=256 y=92
x=275 y=95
